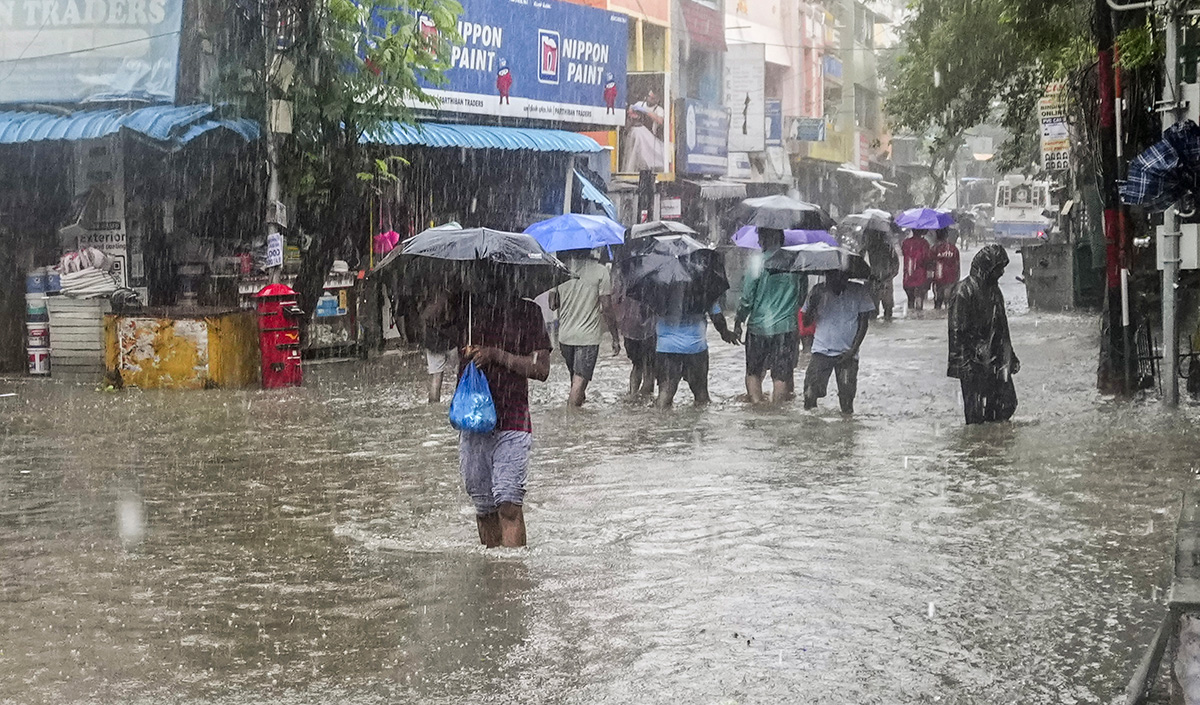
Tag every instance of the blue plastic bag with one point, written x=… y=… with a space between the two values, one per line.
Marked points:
x=472 y=408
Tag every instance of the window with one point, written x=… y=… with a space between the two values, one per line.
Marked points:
x=866 y=109
x=864 y=26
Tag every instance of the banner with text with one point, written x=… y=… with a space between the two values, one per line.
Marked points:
x=704 y=138
x=72 y=51
x=538 y=59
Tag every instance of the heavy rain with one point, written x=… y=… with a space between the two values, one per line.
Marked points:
x=779 y=352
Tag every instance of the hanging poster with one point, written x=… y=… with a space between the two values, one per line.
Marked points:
x=645 y=139
x=745 y=77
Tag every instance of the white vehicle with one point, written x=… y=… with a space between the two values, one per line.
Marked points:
x=1019 y=217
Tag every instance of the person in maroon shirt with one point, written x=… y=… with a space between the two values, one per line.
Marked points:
x=917 y=264
x=946 y=268
x=510 y=346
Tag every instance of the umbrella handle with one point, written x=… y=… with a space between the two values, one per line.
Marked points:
x=470 y=318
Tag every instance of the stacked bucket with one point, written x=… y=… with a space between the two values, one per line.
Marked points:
x=37 y=319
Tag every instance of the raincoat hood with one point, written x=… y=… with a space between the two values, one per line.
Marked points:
x=988 y=259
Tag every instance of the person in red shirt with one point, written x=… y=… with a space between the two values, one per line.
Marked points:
x=917 y=263
x=510 y=347
x=946 y=268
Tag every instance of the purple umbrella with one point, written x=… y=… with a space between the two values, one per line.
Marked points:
x=747 y=236
x=924 y=219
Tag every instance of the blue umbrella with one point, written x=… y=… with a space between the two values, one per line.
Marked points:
x=575 y=231
x=924 y=219
x=747 y=236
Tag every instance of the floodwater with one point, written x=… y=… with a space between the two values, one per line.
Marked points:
x=314 y=545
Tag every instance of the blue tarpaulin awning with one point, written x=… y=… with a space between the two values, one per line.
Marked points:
x=590 y=193
x=431 y=134
x=179 y=124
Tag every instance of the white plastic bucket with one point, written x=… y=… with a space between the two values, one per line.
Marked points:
x=39 y=361
x=37 y=335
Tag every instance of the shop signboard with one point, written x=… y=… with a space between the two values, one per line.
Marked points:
x=645 y=143
x=543 y=60
x=670 y=208
x=774 y=126
x=99 y=182
x=745 y=96
x=72 y=51
x=807 y=129
x=703 y=138
x=1055 y=136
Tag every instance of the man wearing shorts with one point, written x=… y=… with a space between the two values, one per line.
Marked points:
x=510 y=348
x=636 y=323
x=770 y=301
x=581 y=304
x=842 y=310
x=682 y=354
x=440 y=342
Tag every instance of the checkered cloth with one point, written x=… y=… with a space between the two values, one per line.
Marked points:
x=1167 y=171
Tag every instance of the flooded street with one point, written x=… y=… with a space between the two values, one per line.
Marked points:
x=314 y=545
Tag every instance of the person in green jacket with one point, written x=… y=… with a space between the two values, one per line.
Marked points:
x=770 y=301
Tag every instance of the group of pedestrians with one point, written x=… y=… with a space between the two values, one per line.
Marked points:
x=928 y=266
x=511 y=344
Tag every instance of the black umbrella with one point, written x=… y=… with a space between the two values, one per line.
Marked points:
x=673 y=274
x=481 y=261
x=870 y=219
x=660 y=227
x=784 y=213
x=816 y=258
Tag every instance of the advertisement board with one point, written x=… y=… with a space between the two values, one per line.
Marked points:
x=1055 y=135
x=543 y=60
x=774 y=126
x=645 y=139
x=73 y=51
x=703 y=138
x=745 y=77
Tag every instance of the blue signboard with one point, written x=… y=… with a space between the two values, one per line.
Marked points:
x=538 y=59
x=703 y=138
x=774 y=128
x=74 y=51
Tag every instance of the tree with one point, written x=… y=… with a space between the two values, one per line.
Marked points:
x=966 y=62
x=355 y=63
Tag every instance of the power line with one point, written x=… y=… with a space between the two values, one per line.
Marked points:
x=84 y=51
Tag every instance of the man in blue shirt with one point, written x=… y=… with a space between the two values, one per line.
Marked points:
x=842 y=310
x=682 y=354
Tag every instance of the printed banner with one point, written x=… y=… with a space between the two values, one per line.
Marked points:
x=539 y=59
x=704 y=138
x=73 y=51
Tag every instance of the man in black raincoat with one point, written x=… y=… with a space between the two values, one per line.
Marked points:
x=981 y=353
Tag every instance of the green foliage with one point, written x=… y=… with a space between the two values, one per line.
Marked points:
x=966 y=62
x=1138 y=47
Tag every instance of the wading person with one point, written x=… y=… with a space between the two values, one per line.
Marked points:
x=885 y=265
x=841 y=310
x=583 y=305
x=636 y=323
x=981 y=353
x=440 y=339
x=916 y=269
x=946 y=268
x=770 y=302
x=510 y=348
x=682 y=354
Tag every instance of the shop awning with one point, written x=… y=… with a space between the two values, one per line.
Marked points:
x=432 y=134
x=718 y=190
x=590 y=193
x=705 y=26
x=165 y=123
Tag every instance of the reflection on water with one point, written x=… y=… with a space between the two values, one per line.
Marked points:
x=314 y=545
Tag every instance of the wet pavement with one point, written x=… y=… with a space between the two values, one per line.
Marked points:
x=314 y=545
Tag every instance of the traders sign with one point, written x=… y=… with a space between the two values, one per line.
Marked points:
x=704 y=138
x=539 y=59
x=70 y=51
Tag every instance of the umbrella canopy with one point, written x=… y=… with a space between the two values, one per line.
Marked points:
x=870 y=219
x=784 y=213
x=481 y=261
x=819 y=257
x=674 y=275
x=660 y=227
x=394 y=253
x=575 y=231
x=924 y=219
x=747 y=236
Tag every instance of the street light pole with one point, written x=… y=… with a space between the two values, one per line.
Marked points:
x=1170 y=107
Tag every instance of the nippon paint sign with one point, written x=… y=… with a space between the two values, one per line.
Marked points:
x=537 y=59
x=73 y=51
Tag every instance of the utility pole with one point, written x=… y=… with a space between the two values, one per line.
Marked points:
x=1110 y=378
x=1171 y=105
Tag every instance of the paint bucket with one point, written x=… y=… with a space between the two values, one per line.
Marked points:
x=37 y=335
x=35 y=281
x=39 y=361
x=53 y=281
x=35 y=308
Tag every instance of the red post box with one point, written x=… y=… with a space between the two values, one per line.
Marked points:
x=279 y=336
